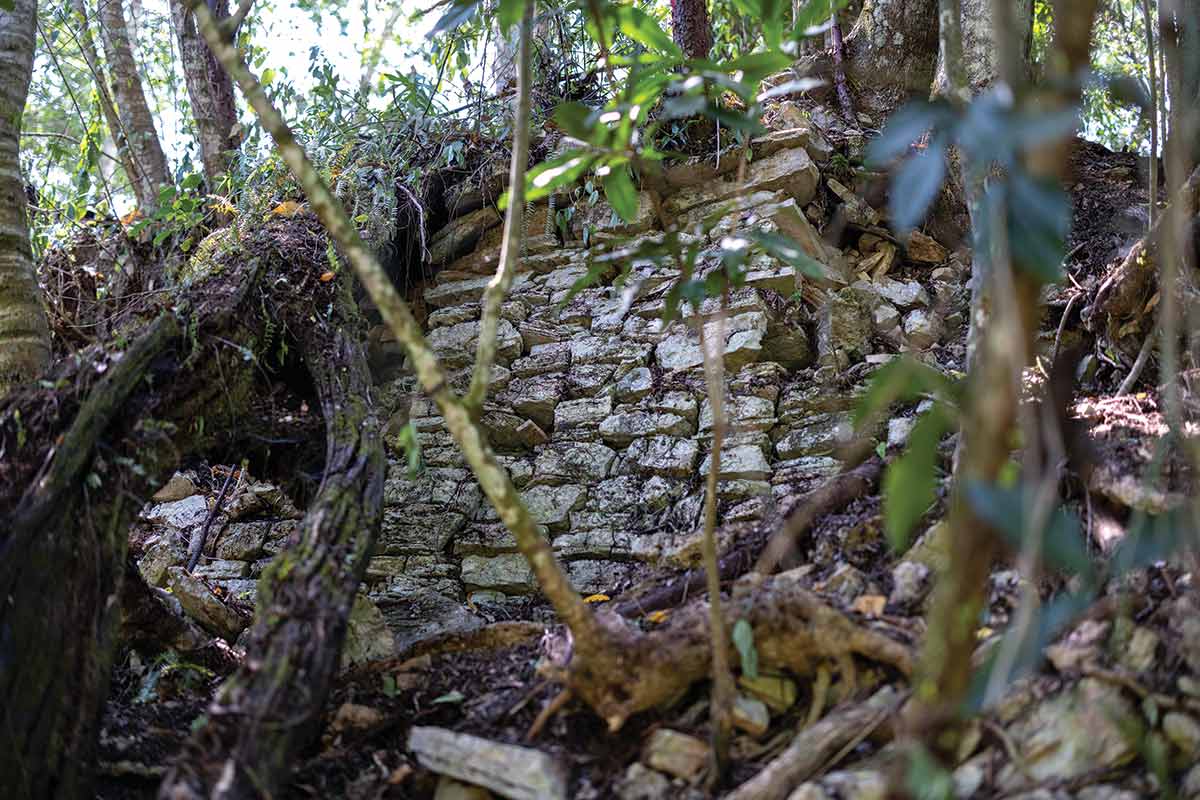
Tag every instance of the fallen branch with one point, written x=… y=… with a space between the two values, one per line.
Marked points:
x=827 y=498
x=834 y=493
x=815 y=746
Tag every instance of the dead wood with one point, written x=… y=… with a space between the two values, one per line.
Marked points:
x=78 y=453
x=636 y=670
x=271 y=708
x=826 y=498
x=814 y=747
x=1123 y=296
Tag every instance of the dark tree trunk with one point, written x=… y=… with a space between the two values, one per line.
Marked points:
x=1180 y=30
x=690 y=27
x=271 y=707
x=63 y=540
x=210 y=90
x=77 y=460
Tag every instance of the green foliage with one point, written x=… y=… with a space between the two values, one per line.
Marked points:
x=993 y=137
x=743 y=640
x=910 y=484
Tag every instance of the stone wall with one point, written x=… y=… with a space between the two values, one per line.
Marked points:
x=599 y=409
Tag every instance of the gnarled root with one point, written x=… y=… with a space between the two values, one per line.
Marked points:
x=633 y=670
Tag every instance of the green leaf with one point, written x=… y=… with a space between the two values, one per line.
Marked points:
x=576 y=119
x=915 y=186
x=450 y=697
x=910 y=484
x=1048 y=621
x=901 y=380
x=1151 y=539
x=643 y=29
x=905 y=127
x=812 y=14
x=459 y=13
x=756 y=66
x=1007 y=511
x=788 y=251
x=743 y=640
x=1039 y=218
x=546 y=177
x=622 y=196
x=8 y=5
x=510 y=13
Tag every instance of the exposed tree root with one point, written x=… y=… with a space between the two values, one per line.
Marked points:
x=272 y=706
x=635 y=670
x=1123 y=295
x=814 y=747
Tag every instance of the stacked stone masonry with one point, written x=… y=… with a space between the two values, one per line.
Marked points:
x=599 y=409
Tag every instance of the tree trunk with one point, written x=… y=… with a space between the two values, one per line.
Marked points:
x=1180 y=31
x=24 y=334
x=78 y=459
x=980 y=49
x=63 y=539
x=116 y=130
x=137 y=124
x=690 y=27
x=893 y=49
x=271 y=708
x=210 y=90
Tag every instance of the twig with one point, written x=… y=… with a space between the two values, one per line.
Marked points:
x=544 y=716
x=1062 y=324
x=839 y=69
x=196 y=546
x=1139 y=364
x=231 y=24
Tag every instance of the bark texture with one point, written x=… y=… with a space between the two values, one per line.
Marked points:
x=894 y=45
x=24 y=334
x=63 y=536
x=210 y=90
x=690 y=27
x=980 y=48
x=271 y=708
x=137 y=132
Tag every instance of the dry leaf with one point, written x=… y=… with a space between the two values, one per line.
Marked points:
x=870 y=605
x=288 y=208
x=658 y=616
x=326 y=277
x=131 y=217
x=597 y=598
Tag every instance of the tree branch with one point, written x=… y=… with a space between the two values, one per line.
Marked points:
x=230 y=26
x=514 y=228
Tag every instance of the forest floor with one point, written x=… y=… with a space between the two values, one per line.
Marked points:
x=1113 y=710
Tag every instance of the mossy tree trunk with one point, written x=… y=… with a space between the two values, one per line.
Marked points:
x=24 y=335
x=79 y=461
x=270 y=709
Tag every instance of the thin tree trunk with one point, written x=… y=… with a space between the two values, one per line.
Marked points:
x=210 y=90
x=514 y=224
x=690 y=27
x=990 y=416
x=24 y=334
x=87 y=46
x=136 y=121
x=1152 y=206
